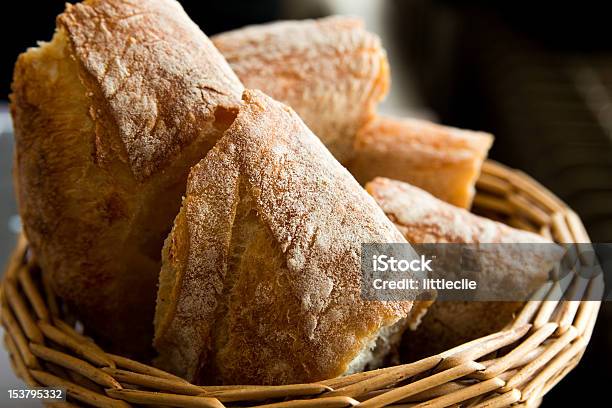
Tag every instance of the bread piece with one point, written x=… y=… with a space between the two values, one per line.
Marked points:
x=443 y=160
x=260 y=280
x=109 y=117
x=331 y=71
x=422 y=218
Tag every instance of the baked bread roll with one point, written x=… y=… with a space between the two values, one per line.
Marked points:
x=331 y=71
x=422 y=218
x=442 y=160
x=109 y=117
x=260 y=280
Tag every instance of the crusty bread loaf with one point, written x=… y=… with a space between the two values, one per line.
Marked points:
x=331 y=71
x=442 y=160
x=260 y=280
x=109 y=117
x=422 y=218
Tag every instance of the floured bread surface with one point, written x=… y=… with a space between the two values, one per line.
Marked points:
x=442 y=160
x=155 y=78
x=422 y=218
x=261 y=274
x=109 y=117
x=331 y=71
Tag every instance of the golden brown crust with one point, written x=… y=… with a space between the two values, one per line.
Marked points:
x=422 y=218
x=443 y=160
x=263 y=264
x=152 y=74
x=331 y=71
x=97 y=198
x=425 y=219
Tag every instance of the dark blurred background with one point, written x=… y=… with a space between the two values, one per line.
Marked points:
x=536 y=74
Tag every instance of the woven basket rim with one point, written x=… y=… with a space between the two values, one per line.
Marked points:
x=532 y=354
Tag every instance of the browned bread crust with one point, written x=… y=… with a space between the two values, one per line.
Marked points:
x=422 y=218
x=109 y=118
x=442 y=160
x=331 y=71
x=261 y=274
x=155 y=78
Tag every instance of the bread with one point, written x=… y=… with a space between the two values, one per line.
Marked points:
x=260 y=280
x=109 y=117
x=331 y=71
x=442 y=160
x=422 y=218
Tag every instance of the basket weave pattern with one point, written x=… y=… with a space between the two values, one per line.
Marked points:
x=517 y=365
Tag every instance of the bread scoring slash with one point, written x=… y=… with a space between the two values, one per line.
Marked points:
x=109 y=117
x=260 y=282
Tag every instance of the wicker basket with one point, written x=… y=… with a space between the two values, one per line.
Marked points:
x=518 y=365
